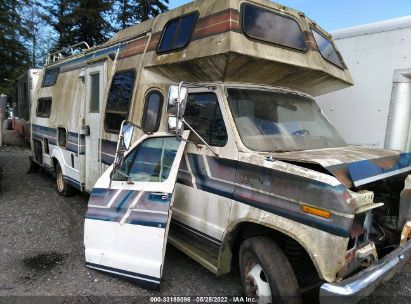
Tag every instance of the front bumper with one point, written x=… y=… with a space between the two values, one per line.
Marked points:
x=362 y=284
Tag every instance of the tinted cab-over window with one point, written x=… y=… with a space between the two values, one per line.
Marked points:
x=327 y=49
x=177 y=33
x=269 y=26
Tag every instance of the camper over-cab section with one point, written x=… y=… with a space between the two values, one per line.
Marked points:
x=258 y=42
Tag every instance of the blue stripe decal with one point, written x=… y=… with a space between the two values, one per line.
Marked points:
x=150 y=210
x=126 y=198
x=336 y=225
x=73 y=139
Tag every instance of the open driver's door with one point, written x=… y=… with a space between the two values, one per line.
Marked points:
x=127 y=223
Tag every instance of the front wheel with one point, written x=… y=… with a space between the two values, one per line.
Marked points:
x=266 y=274
x=62 y=187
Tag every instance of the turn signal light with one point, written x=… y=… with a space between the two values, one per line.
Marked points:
x=315 y=211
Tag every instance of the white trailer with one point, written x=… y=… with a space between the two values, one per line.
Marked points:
x=22 y=96
x=376 y=111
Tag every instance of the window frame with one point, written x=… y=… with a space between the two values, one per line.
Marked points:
x=146 y=102
x=312 y=30
x=46 y=145
x=275 y=12
x=43 y=85
x=132 y=153
x=197 y=14
x=91 y=94
x=37 y=107
x=58 y=136
x=130 y=101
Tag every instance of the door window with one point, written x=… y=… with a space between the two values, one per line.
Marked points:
x=150 y=161
x=204 y=115
x=95 y=93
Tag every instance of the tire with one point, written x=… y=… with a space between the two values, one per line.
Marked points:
x=62 y=188
x=266 y=274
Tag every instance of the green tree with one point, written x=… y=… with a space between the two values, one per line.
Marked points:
x=14 y=57
x=75 y=21
x=39 y=35
x=130 y=12
x=90 y=21
x=58 y=14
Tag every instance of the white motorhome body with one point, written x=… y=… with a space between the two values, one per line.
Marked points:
x=376 y=111
x=270 y=179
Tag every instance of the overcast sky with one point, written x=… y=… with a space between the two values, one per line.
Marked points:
x=338 y=14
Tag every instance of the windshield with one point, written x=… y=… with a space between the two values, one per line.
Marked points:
x=277 y=122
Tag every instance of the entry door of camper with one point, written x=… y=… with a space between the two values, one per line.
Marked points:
x=95 y=82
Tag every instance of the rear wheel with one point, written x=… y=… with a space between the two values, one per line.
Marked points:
x=62 y=187
x=266 y=274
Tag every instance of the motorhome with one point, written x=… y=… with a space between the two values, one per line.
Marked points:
x=22 y=91
x=199 y=128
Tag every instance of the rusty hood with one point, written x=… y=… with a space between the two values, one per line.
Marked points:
x=353 y=165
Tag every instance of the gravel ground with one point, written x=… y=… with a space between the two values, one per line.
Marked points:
x=42 y=253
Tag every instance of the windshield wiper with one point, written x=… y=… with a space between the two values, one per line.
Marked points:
x=124 y=174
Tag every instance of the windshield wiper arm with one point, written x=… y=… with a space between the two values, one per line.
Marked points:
x=124 y=174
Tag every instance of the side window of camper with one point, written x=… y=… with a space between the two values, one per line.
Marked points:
x=269 y=26
x=177 y=33
x=326 y=48
x=152 y=111
x=50 y=77
x=204 y=115
x=43 y=107
x=118 y=100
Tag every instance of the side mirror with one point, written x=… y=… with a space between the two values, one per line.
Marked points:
x=177 y=100
x=126 y=134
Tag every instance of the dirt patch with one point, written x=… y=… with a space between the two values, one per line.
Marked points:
x=44 y=261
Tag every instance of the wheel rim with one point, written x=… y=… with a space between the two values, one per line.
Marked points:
x=60 y=180
x=257 y=286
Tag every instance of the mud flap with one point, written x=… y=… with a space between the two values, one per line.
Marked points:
x=126 y=225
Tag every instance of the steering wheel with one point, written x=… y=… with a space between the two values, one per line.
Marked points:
x=303 y=132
